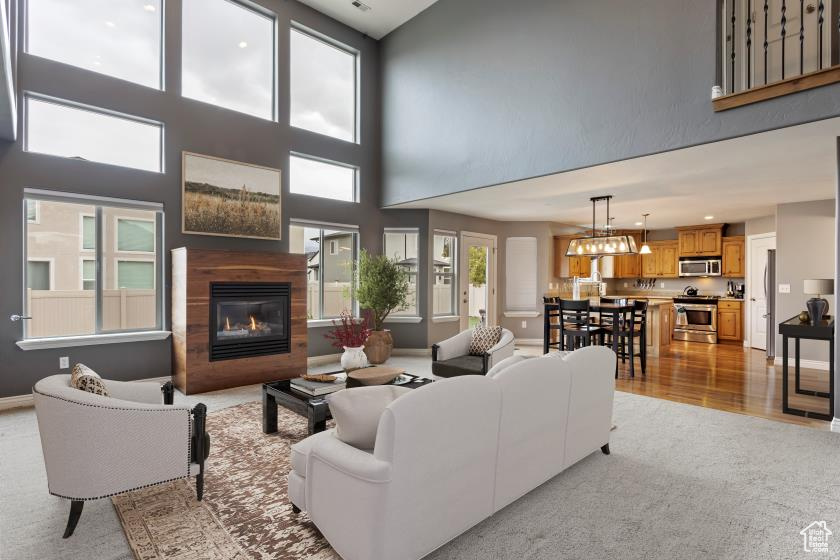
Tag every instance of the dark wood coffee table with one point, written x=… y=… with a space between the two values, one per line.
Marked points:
x=315 y=409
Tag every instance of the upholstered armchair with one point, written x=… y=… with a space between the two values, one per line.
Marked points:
x=452 y=357
x=96 y=447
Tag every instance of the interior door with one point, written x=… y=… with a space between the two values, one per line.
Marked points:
x=758 y=288
x=478 y=280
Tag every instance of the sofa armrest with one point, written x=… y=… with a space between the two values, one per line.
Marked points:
x=503 y=349
x=148 y=392
x=458 y=345
x=349 y=461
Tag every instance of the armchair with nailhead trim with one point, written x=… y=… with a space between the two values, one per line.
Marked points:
x=96 y=446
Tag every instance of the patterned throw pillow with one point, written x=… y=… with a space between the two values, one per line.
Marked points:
x=86 y=379
x=484 y=338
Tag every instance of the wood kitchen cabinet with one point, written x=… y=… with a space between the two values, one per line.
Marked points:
x=733 y=257
x=662 y=262
x=730 y=320
x=568 y=267
x=700 y=241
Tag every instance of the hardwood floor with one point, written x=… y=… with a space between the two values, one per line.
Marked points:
x=726 y=377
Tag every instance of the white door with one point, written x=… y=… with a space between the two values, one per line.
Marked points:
x=477 y=279
x=758 y=288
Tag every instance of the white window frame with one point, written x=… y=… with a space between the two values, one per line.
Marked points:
x=37 y=218
x=356 y=177
x=333 y=247
x=454 y=275
x=51 y=261
x=118 y=260
x=417 y=317
x=117 y=249
x=357 y=106
x=100 y=335
x=352 y=229
x=82 y=247
x=82 y=278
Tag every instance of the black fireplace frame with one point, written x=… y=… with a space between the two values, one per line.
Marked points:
x=247 y=348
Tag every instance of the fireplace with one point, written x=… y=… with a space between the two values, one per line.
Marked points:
x=249 y=319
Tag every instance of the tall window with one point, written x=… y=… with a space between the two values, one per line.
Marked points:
x=227 y=56
x=330 y=274
x=314 y=177
x=323 y=86
x=98 y=278
x=120 y=38
x=85 y=133
x=401 y=246
x=444 y=265
x=32 y=211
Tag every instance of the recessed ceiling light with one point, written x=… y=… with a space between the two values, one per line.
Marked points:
x=363 y=7
x=110 y=24
x=242 y=44
x=149 y=8
x=708 y=217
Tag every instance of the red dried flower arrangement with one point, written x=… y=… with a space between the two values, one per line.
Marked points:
x=348 y=331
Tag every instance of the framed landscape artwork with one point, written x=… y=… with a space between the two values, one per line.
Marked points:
x=229 y=198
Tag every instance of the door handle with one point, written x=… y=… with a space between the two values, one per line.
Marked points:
x=15 y=318
x=752 y=299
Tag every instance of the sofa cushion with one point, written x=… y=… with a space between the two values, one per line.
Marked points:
x=506 y=363
x=462 y=365
x=484 y=338
x=86 y=379
x=300 y=450
x=357 y=411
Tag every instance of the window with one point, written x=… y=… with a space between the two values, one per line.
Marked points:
x=118 y=38
x=320 y=178
x=521 y=264
x=32 y=208
x=323 y=86
x=227 y=56
x=135 y=235
x=333 y=247
x=70 y=290
x=88 y=274
x=401 y=246
x=445 y=289
x=89 y=134
x=330 y=277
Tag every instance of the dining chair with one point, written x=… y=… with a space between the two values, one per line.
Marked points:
x=630 y=329
x=576 y=327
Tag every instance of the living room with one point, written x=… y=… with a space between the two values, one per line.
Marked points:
x=159 y=158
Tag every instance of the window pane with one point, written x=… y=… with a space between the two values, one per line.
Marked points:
x=88 y=233
x=133 y=275
x=31 y=210
x=337 y=273
x=88 y=275
x=62 y=130
x=53 y=253
x=445 y=285
x=318 y=178
x=228 y=56
x=307 y=241
x=402 y=247
x=120 y=38
x=135 y=235
x=323 y=87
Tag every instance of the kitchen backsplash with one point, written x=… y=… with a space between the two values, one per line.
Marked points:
x=672 y=286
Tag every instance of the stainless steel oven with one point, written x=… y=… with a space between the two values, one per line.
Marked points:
x=696 y=319
x=700 y=267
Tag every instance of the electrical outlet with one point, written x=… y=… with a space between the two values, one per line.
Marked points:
x=784 y=288
x=524 y=324
x=626 y=284
x=662 y=284
x=63 y=362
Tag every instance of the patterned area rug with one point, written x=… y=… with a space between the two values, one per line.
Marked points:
x=245 y=514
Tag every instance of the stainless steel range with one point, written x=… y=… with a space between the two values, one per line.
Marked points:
x=696 y=318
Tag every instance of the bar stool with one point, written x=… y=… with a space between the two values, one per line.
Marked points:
x=632 y=327
x=551 y=311
x=576 y=327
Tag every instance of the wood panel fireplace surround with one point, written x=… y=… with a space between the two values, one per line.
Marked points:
x=238 y=318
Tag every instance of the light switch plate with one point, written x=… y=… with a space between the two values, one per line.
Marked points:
x=784 y=288
x=524 y=324
x=662 y=284
x=63 y=362
x=626 y=284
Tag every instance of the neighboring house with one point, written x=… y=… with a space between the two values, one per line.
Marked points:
x=338 y=253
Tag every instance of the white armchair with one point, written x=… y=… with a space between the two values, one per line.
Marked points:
x=451 y=357
x=96 y=447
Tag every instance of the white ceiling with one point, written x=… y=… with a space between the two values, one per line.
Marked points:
x=383 y=17
x=732 y=180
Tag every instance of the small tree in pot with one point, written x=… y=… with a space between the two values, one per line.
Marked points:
x=383 y=287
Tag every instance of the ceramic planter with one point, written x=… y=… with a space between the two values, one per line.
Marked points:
x=378 y=346
x=353 y=358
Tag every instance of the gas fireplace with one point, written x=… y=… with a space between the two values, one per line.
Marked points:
x=249 y=319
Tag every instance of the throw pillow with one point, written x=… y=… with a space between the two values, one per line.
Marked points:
x=483 y=339
x=85 y=379
x=357 y=411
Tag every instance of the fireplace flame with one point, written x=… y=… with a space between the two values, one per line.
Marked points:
x=227 y=323
x=253 y=323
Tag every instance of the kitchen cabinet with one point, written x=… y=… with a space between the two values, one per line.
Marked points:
x=568 y=267
x=700 y=241
x=733 y=257
x=662 y=261
x=730 y=320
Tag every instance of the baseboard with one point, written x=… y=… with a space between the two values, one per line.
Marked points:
x=528 y=342
x=315 y=361
x=807 y=364
x=835 y=425
x=411 y=352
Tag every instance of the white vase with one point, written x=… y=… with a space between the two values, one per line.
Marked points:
x=353 y=358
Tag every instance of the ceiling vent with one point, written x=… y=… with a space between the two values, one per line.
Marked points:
x=363 y=7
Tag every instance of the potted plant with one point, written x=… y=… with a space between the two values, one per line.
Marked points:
x=382 y=288
x=349 y=334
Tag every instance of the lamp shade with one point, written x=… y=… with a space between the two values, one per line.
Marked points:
x=819 y=287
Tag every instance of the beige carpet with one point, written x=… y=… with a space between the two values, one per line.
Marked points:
x=245 y=514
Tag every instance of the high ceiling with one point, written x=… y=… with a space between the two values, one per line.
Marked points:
x=383 y=17
x=732 y=181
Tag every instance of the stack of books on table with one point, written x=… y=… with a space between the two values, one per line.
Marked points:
x=318 y=388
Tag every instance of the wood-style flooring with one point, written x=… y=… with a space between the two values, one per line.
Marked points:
x=726 y=377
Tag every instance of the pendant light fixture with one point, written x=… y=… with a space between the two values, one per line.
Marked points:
x=602 y=242
x=645 y=250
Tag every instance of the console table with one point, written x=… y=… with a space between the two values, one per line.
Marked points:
x=797 y=330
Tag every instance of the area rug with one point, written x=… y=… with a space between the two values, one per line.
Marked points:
x=245 y=514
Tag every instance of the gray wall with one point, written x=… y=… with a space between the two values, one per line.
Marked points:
x=189 y=125
x=767 y=224
x=805 y=248
x=480 y=92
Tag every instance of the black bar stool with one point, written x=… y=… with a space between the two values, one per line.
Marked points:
x=576 y=327
x=632 y=327
x=551 y=311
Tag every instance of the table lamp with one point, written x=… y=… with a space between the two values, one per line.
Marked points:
x=818 y=306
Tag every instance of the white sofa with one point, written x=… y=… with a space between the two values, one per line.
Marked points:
x=454 y=452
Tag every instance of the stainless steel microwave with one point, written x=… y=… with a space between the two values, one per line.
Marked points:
x=700 y=267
